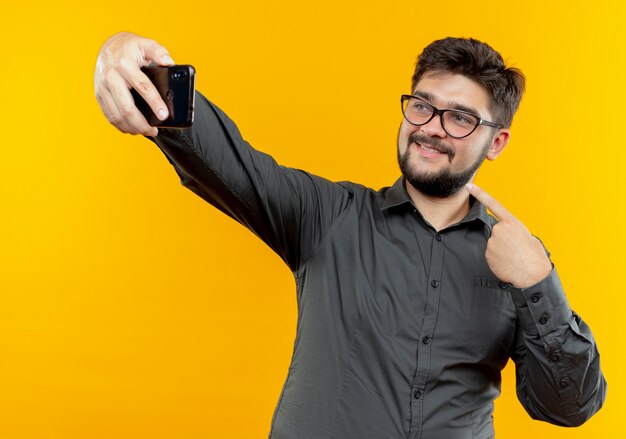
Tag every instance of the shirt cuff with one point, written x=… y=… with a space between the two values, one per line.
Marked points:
x=543 y=307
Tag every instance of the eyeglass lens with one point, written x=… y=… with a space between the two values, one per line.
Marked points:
x=455 y=123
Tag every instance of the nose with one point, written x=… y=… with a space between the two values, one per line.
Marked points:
x=434 y=128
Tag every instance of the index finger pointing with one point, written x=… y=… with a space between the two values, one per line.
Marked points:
x=489 y=202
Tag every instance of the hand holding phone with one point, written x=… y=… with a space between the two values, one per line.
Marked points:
x=117 y=75
x=176 y=86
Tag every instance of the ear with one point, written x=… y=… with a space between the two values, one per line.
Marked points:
x=498 y=143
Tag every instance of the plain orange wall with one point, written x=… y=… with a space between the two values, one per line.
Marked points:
x=129 y=308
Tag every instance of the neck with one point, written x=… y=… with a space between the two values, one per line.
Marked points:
x=440 y=212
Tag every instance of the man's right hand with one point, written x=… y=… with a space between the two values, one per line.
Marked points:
x=118 y=69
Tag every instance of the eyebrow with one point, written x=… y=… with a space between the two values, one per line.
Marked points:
x=451 y=104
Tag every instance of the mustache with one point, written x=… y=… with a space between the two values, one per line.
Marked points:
x=433 y=142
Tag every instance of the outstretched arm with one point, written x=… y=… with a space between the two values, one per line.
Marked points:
x=291 y=210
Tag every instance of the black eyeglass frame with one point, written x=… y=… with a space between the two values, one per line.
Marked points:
x=437 y=111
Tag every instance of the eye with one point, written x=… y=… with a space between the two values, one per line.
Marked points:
x=462 y=119
x=421 y=107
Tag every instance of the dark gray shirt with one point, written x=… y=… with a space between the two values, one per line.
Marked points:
x=402 y=331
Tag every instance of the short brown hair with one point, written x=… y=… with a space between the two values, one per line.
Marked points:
x=479 y=62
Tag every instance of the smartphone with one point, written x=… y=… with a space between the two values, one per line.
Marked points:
x=176 y=84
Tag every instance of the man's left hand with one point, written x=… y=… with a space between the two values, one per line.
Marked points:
x=513 y=254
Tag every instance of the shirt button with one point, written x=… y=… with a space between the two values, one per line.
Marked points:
x=426 y=340
x=434 y=283
x=536 y=297
x=544 y=319
x=564 y=382
x=504 y=285
x=438 y=237
x=417 y=394
x=555 y=357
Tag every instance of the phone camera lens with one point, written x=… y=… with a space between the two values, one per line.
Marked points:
x=179 y=74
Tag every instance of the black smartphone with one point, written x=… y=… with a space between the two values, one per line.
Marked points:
x=176 y=85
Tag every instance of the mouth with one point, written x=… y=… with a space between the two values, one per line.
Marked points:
x=430 y=151
x=430 y=148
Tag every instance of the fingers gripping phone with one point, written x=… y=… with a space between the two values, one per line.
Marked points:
x=176 y=85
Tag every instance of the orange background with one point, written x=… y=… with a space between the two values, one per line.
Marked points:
x=129 y=308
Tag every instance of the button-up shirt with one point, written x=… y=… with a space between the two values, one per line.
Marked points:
x=402 y=330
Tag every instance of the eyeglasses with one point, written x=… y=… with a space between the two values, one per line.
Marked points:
x=456 y=123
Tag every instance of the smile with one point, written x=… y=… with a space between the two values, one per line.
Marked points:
x=428 y=151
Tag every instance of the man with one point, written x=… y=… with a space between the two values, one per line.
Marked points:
x=411 y=299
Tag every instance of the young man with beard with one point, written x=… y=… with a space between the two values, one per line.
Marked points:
x=412 y=298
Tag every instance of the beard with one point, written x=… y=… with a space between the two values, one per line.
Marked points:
x=444 y=183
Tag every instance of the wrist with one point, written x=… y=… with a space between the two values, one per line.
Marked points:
x=533 y=279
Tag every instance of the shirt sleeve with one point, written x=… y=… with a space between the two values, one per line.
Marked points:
x=557 y=361
x=289 y=209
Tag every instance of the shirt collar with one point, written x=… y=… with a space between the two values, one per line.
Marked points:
x=397 y=195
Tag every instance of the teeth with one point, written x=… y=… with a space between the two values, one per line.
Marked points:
x=430 y=149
